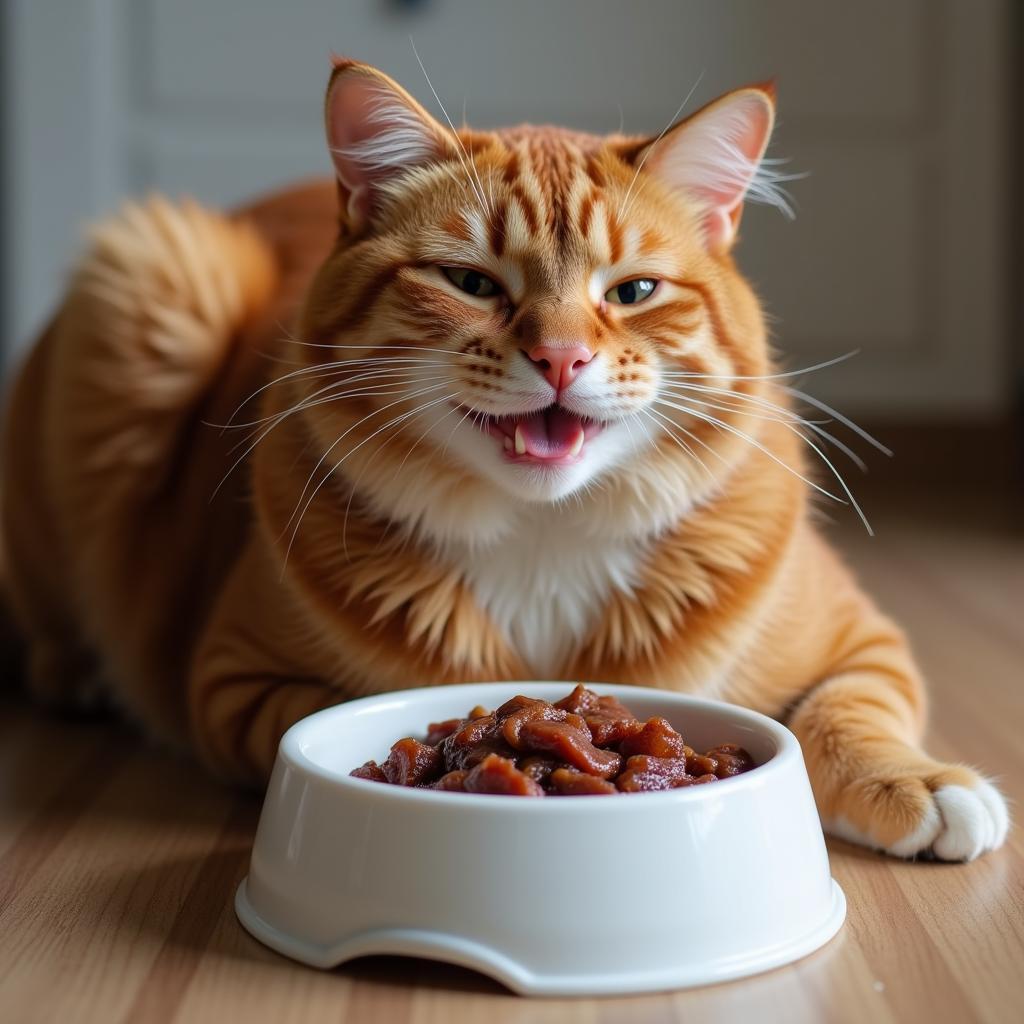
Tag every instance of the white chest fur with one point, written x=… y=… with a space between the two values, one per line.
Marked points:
x=544 y=587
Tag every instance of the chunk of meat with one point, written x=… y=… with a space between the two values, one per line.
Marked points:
x=611 y=722
x=460 y=745
x=453 y=782
x=570 y=744
x=437 y=731
x=499 y=776
x=371 y=770
x=730 y=760
x=569 y=782
x=538 y=767
x=644 y=772
x=580 y=702
x=412 y=763
x=514 y=719
x=699 y=764
x=657 y=738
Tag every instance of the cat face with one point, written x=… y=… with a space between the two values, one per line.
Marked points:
x=530 y=312
x=569 y=309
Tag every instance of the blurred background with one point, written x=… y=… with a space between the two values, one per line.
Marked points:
x=904 y=117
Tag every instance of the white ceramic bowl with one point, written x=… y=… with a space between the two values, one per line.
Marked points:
x=554 y=896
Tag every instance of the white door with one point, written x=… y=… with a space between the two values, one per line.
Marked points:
x=897 y=111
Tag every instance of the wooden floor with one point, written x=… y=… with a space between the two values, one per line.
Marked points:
x=118 y=864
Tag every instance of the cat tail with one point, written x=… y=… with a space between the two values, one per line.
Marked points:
x=107 y=410
x=155 y=308
x=171 y=285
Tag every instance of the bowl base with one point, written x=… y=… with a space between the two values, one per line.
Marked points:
x=467 y=953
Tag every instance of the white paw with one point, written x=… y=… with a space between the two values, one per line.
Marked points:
x=961 y=823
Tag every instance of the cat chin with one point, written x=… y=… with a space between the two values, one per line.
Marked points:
x=538 y=484
x=541 y=485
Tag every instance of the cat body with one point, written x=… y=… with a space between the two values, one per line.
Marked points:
x=493 y=406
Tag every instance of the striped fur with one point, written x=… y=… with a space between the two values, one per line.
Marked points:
x=370 y=536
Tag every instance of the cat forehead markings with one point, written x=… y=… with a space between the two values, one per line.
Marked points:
x=550 y=207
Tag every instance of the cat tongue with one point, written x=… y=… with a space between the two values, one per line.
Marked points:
x=550 y=434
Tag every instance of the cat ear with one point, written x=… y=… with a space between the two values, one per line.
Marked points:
x=376 y=132
x=715 y=156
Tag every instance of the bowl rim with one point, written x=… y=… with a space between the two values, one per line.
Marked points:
x=292 y=751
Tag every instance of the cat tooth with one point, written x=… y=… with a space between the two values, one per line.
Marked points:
x=520 y=443
x=508 y=443
x=577 y=445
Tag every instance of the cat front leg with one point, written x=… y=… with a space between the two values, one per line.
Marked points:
x=841 y=675
x=874 y=785
x=238 y=719
x=255 y=673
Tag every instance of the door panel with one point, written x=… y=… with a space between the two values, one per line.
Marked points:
x=896 y=112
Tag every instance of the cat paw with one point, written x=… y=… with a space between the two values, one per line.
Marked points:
x=956 y=818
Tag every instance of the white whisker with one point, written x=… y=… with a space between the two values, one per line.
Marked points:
x=276 y=420
x=353 y=490
x=668 y=423
x=372 y=345
x=788 y=417
x=339 y=365
x=477 y=186
x=818 y=404
x=629 y=429
x=345 y=433
x=766 y=376
x=389 y=377
x=313 y=400
x=714 y=421
x=420 y=438
x=650 y=149
x=316 y=490
x=824 y=458
x=444 y=449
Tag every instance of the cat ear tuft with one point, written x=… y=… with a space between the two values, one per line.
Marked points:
x=717 y=157
x=376 y=132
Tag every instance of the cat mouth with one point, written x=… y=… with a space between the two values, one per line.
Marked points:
x=547 y=437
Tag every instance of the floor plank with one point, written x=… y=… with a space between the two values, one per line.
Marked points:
x=118 y=863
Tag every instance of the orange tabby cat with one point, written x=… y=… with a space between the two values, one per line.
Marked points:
x=523 y=426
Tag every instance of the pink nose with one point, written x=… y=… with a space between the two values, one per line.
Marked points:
x=560 y=365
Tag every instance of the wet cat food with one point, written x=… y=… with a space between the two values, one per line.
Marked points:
x=581 y=745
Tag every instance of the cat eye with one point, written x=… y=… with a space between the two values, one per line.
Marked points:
x=630 y=292
x=472 y=282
